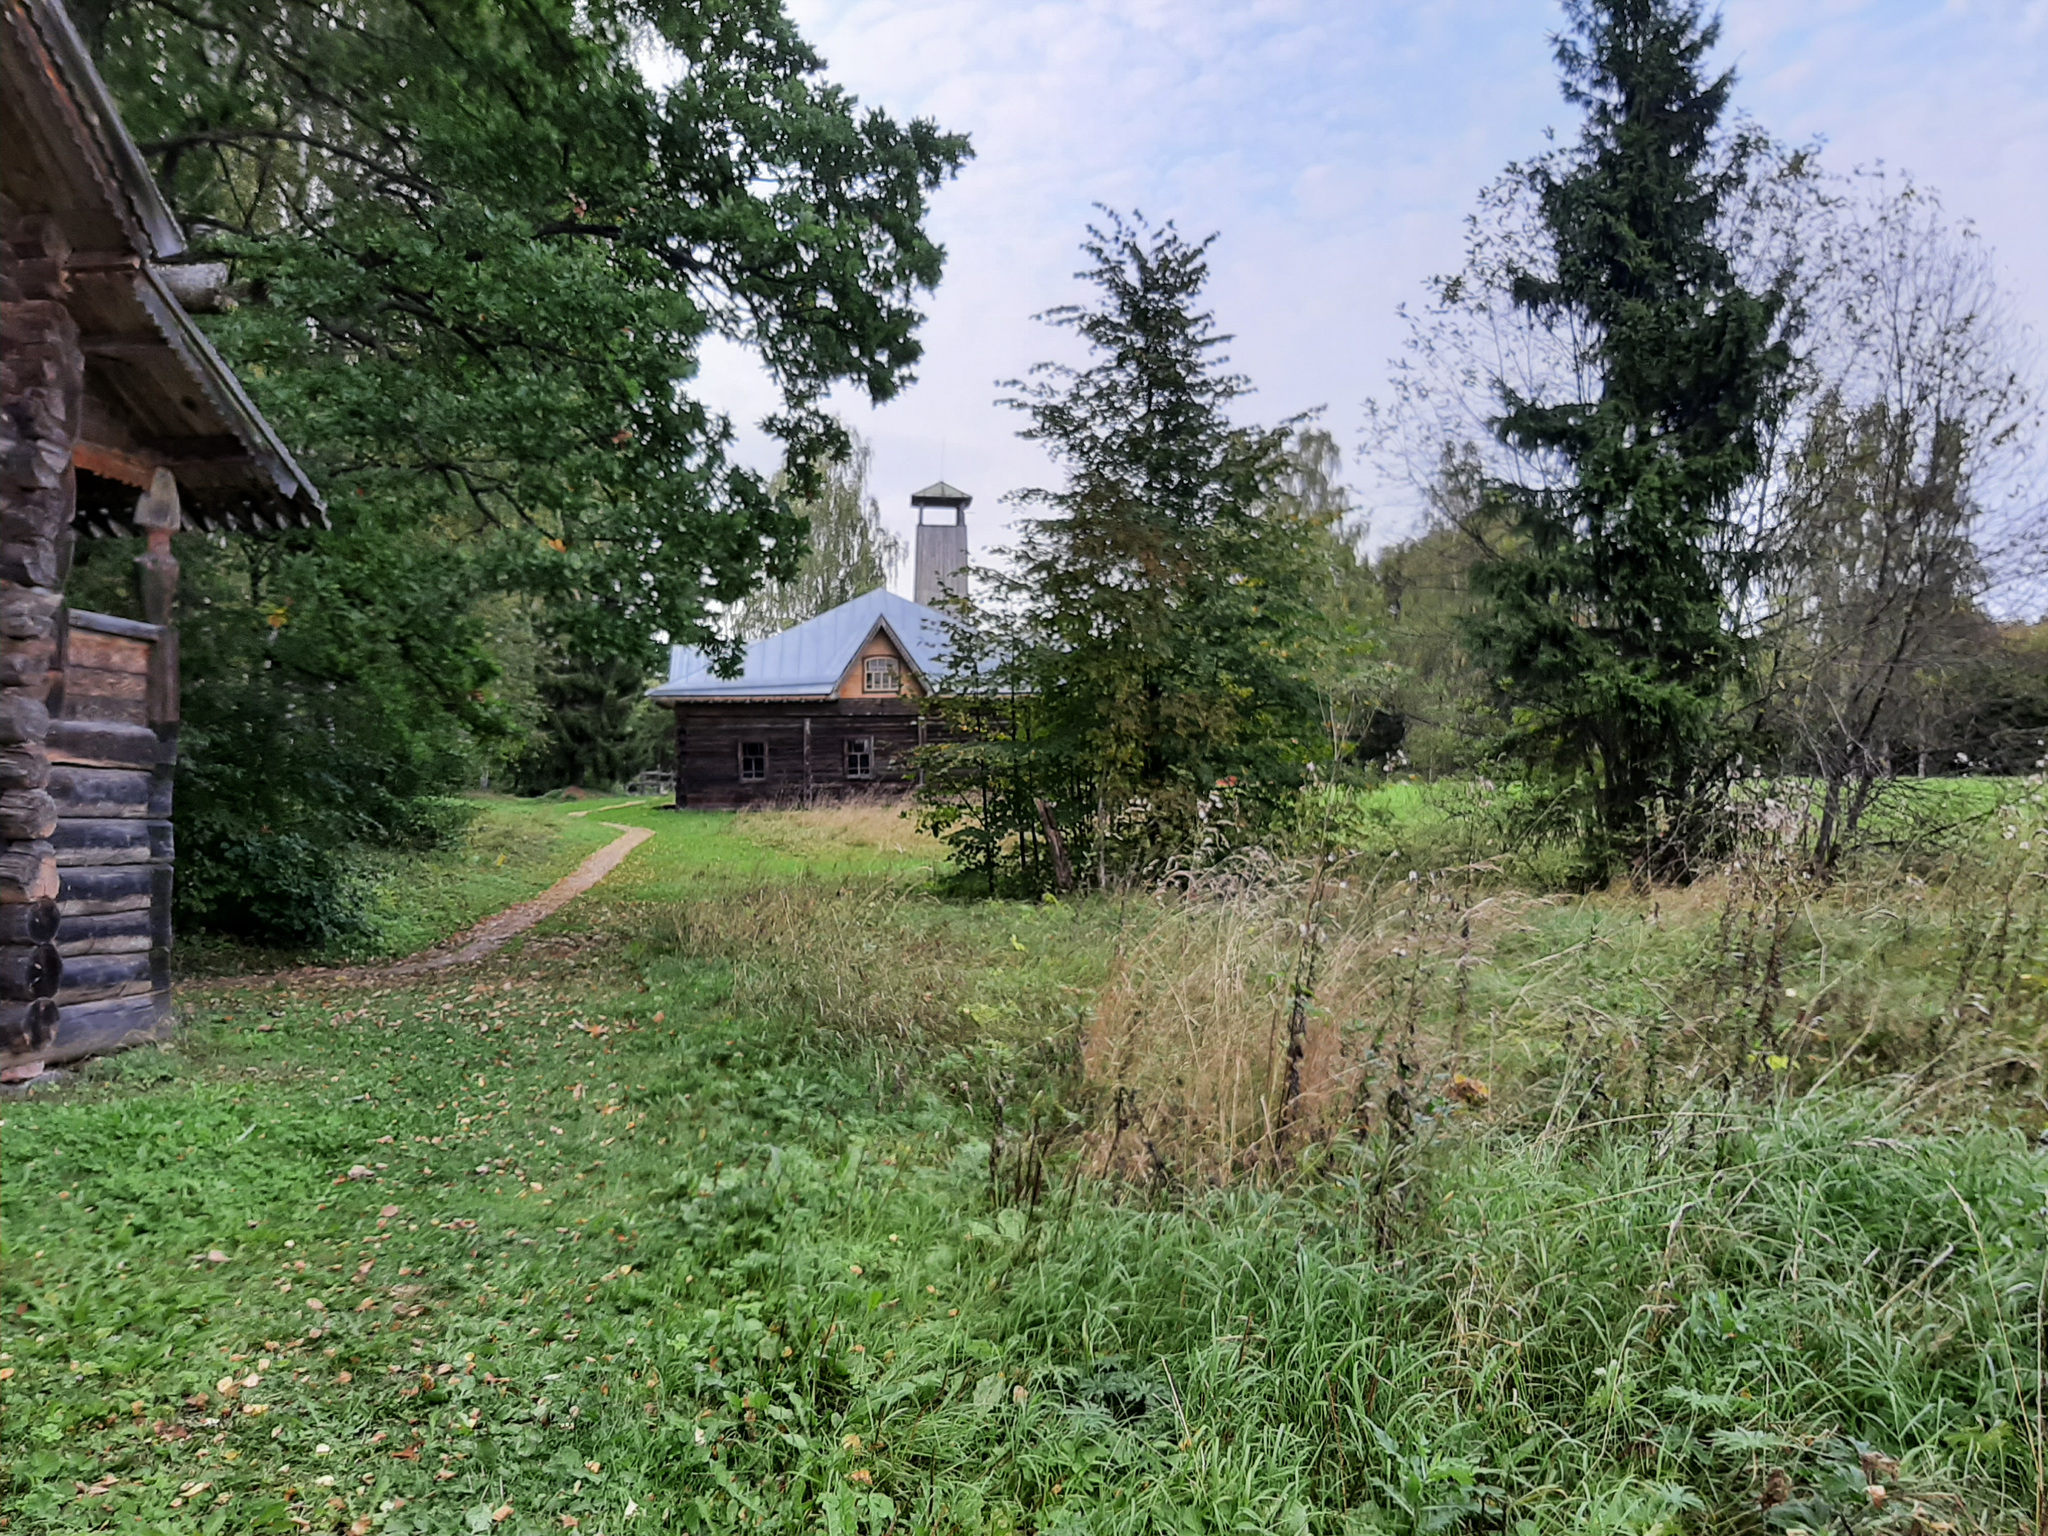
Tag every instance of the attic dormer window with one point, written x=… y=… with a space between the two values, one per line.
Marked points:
x=881 y=674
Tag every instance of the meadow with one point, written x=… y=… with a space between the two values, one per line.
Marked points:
x=764 y=1189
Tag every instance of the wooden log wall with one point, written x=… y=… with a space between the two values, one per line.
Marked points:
x=42 y=380
x=113 y=743
x=88 y=711
x=806 y=741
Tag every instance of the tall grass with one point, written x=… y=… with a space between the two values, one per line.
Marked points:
x=1264 y=1008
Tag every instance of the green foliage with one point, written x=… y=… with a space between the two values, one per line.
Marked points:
x=847 y=551
x=1169 y=601
x=332 y=694
x=1440 y=712
x=1609 y=622
x=599 y=729
x=481 y=249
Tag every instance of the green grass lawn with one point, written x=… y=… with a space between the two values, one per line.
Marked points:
x=513 y=850
x=634 y=1228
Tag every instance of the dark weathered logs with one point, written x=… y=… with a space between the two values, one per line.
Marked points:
x=106 y=888
x=28 y=872
x=30 y=971
x=26 y=814
x=101 y=791
x=160 y=907
x=28 y=613
x=105 y=744
x=94 y=1029
x=24 y=766
x=23 y=717
x=107 y=933
x=26 y=663
x=111 y=840
x=29 y=922
x=87 y=977
x=27 y=1028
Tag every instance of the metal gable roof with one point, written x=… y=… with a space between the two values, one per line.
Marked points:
x=809 y=660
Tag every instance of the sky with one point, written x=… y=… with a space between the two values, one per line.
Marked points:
x=1335 y=147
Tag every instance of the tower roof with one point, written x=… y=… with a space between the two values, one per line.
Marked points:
x=940 y=494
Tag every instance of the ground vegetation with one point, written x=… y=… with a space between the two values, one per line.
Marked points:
x=763 y=1182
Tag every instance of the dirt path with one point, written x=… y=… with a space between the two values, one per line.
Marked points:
x=485 y=939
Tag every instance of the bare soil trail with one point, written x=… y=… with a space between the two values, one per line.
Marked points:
x=477 y=943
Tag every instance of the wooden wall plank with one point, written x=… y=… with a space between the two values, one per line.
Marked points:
x=110 y=840
x=102 y=791
x=104 y=744
x=709 y=761
x=105 y=888
x=107 y=933
x=97 y=1028
x=89 y=978
x=108 y=653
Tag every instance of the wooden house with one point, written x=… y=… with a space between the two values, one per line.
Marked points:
x=117 y=417
x=832 y=707
x=828 y=709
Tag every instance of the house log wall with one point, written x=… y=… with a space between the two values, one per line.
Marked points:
x=88 y=711
x=806 y=742
x=42 y=382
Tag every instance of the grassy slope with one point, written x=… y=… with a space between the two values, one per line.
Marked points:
x=515 y=849
x=699 y=1268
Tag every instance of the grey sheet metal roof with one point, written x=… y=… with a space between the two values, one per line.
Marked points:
x=810 y=660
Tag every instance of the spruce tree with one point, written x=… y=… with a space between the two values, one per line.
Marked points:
x=1173 y=581
x=1609 y=622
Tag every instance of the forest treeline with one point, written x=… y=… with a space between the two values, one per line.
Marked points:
x=1728 y=460
x=1731 y=471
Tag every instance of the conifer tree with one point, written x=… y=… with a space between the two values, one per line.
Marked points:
x=1172 y=580
x=1609 y=618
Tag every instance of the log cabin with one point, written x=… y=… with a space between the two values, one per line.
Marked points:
x=832 y=708
x=117 y=418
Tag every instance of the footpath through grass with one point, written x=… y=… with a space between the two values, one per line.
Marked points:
x=584 y=1238
x=513 y=850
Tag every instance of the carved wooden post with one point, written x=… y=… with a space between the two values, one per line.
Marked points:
x=42 y=378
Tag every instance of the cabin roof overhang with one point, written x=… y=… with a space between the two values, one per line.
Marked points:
x=158 y=396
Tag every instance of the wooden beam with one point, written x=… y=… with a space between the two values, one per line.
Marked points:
x=127 y=466
x=123 y=344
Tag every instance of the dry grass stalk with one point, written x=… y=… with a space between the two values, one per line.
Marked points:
x=1191 y=1033
x=873 y=824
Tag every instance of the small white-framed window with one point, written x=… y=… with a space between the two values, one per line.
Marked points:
x=753 y=761
x=881 y=674
x=860 y=757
